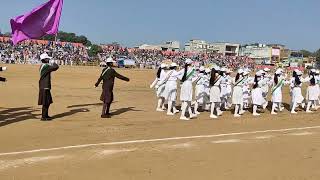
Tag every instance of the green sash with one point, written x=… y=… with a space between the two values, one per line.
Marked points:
x=190 y=74
x=237 y=83
x=278 y=85
x=104 y=72
x=43 y=68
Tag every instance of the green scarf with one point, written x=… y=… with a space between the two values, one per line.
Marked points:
x=43 y=69
x=190 y=74
x=278 y=85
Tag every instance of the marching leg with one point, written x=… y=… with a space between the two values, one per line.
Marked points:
x=293 y=108
x=183 y=113
x=255 y=108
x=169 y=113
x=196 y=106
x=190 y=111
x=159 y=109
x=212 y=116
x=308 y=107
x=236 y=111
x=274 y=108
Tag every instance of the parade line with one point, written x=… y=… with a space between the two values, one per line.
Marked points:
x=154 y=140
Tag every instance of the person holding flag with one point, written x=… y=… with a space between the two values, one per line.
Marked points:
x=107 y=77
x=279 y=80
x=45 y=99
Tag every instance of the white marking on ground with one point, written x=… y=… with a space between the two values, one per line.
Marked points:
x=226 y=141
x=181 y=146
x=155 y=140
x=301 y=134
x=264 y=137
x=5 y=164
x=112 y=151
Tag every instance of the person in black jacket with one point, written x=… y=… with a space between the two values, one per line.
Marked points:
x=1 y=78
x=45 y=98
x=108 y=75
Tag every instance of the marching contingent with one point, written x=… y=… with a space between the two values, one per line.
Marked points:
x=215 y=90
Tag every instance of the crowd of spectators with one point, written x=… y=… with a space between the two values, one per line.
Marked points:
x=153 y=58
x=28 y=52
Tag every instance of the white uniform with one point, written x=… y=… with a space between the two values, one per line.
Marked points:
x=224 y=87
x=277 y=90
x=206 y=88
x=200 y=88
x=265 y=87
x=257 y=94
x=160 y=85
x=296 y=94
x=237 y=95
x=186 y=87
x=246 y=90
x=171 y=85
x=215 y=93
x=312 y=91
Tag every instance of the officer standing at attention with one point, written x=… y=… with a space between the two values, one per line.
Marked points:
x=108 y=75
x=45 y=98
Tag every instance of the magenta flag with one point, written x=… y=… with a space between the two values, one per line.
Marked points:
x=41 y=21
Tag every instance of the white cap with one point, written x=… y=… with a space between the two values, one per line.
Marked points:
x=317 y=72
x=229 y=71
x=266 y=69
x=207 y=70
x=4 y=68
x=216 y=67
x=246 y=72
x=202 y=68
x=45 y=56
x=279 y=71
x=313 y=70
x=163 y=65
x=110 y=60
x=259 y=73
x=188 y=61
x=173 y=64
x=223 y=69
x=299 y=73
x=240 y=71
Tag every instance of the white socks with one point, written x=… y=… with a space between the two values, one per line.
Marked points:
x=255 y=108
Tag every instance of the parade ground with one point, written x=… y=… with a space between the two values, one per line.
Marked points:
x=138 y=143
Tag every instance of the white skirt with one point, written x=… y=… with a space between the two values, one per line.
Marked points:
x=186 y=91
x=257 y=97
x=200 y=93
x=277 y=95
x=215 y=94
x=224 y=91
x=312 y=93
x=237 y=95
x=161 y=91
x=171 y=91
x=297 y=95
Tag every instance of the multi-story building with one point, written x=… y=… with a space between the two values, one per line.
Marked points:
x=196 y=45
x=167 y=46
x=227 y=49
x=265 y=54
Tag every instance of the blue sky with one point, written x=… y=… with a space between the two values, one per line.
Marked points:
x=295 y=23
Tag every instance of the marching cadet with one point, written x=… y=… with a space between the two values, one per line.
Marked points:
x=237 y=95
x=215 y=93
x=266 y=77
x=199 y=90
x=45 y=99
x=107 y=76
x=279 y=80
x=317 y=78
x=296 y=95
x=1 y=78
x=257 y=93
x=246 y=88
x=224 y=88
x=186 y=76
x=171 y=89
x=160 y=87
x=229 y=89
x=312 y=91
x=206 y=99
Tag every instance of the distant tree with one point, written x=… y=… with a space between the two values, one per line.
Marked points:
x=306 y=53
x=68 y=37
x=94 y=50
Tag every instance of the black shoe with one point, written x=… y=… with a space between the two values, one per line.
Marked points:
x=49 y=118
x=106 y=116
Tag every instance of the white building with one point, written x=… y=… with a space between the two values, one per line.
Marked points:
x=167 y=46
x=196 y=45
x=261 y=53
x=227 y=49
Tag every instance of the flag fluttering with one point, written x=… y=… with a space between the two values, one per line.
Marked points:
x=42 y=20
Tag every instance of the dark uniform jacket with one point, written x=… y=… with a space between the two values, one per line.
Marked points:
x=1 y=78
x=45 y=97
x=108 y=75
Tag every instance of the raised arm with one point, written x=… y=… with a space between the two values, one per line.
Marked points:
x=119 y=76
x=3 y=79
x=53 y=67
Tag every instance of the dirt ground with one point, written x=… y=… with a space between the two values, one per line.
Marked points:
x=139 y=143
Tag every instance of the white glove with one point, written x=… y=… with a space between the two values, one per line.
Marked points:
x=4 y=68
x=52 y=61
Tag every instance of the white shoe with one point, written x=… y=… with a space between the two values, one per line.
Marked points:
x=242 y=112
x=197 y=113
x=184 y=118
x=176 y=111
x=219 y=113
x=309 y=111
x=294 y=112
x=212 y=116
x=193 y=116
x=256 y=114
x=160 y=110
x=281 y=109
x=274 y=113
x=170 y=114
x=237 y=115
x=303 y=105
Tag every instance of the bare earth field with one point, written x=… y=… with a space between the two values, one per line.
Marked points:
x=139 y=143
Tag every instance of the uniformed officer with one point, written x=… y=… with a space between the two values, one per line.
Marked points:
x=45 y=98
x=1 y=78
x=108 y=75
